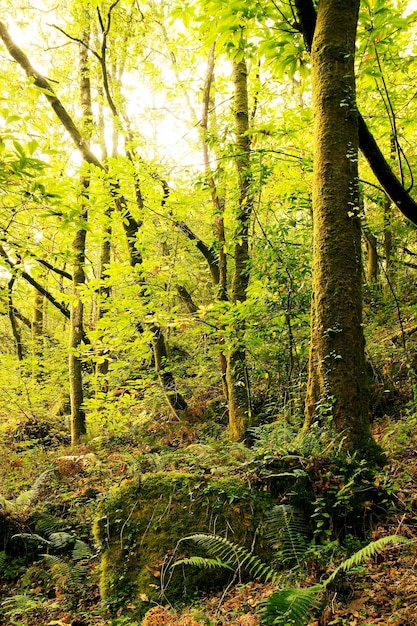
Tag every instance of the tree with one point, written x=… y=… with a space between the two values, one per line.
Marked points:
x=240 y=410
x=337 y=389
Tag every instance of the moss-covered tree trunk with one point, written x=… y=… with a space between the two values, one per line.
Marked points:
x=219 y=203
x=337 y=389
x=240 y=414
x=78 y=425
x=37 y=335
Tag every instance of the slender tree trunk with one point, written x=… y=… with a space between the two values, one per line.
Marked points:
x=337 y=391
x=240 y=413
x=372 y=254
x=104 y=290
x=219 y=277
x=388 y=235
x=13 y=321
x=78 y=425
x=37 y=334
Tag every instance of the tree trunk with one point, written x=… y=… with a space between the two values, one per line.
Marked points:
x=240 y=414
x=372 y=254
x=78 y=425
x=37 y=335
x=337 y=390
x=13 y=322
x=388 y=236
x=218 y=200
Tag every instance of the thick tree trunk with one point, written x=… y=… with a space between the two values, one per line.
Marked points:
x=393 y=187
x=337 y=390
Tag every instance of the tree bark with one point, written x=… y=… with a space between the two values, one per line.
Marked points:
x=78 y=422
x=220 y=275
x=372 y=254
x=12 y=317
x=337 y=392
x=37 y=334
x=240 y=412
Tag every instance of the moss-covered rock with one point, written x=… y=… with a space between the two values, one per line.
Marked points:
x=140 y=523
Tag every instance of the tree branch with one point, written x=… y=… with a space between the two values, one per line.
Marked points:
x=44 y=85
x=54 y=269
x=207 y=252
x=387 y=179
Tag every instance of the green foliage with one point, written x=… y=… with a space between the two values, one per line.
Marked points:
x=287 y=531
x=289 y=606
x=365 y=553
x=294 y=606
x=228 y=556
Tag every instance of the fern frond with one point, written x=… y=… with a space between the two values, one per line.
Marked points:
x=65 y=573
x=81 y=550
x=51 y=560
x=289 y=606
x=61 y=539
x=234 y=556
x=287 y=532
x=29 y=497
x=203 y=562
x=365 y=553
x=32 y=537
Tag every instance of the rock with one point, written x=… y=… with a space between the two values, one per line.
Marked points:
x=142 y=521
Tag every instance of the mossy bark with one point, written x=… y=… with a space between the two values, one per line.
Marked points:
x=337 y=389
x=239 y=400
x=78 y=424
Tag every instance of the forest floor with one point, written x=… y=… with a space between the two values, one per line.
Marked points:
x=382 y=591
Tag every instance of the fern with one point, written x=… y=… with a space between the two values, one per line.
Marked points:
x=294 y=606
x=365 y=553
x=286 y=529
x=203 y=562
x=231 y=556
x=289 y=606
x=287 y=532
x=66 y=574
x=21 y=505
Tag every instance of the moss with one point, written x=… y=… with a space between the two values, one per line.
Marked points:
x=140 y=523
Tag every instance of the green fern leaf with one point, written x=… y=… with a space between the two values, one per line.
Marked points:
x=81 y=550
x=233 y=556
x=203 y=562
x=365 y=553
x=289 y=606
x=287 y=532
